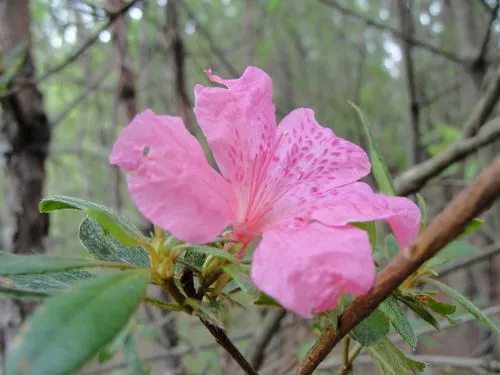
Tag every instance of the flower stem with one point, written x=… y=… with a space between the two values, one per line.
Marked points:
x=162 y=304
x=349 y=357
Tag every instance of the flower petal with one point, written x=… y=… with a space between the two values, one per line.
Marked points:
x=170 y=180
x=238 y=122
x=307 y=270
x=358 y=203
x=309 y=161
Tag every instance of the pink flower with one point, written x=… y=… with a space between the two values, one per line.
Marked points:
x=293 y=184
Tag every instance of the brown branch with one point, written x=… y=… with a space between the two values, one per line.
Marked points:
x=78 y=99
x=424 y=102
x=262 y=338
x=483 y=255
x=404 y=10
x=472 y=201
x=223 y=340
x=218 y=333
x=484 y=45
x=370 y=22
x=112 y=17
x=415 y=177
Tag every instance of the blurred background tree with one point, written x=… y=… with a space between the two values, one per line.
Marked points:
x=425 y=72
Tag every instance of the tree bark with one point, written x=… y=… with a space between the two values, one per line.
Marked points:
x=25 y=136
x=125 y=95
x=413 y=134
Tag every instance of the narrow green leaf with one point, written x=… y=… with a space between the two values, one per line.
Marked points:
x=79 y=323
x=241 y=278
x=132 y=356
x=390 y=360
x=441 y=307
x=471 y=227
x=371 y=228
x=265 y=300
x=42 y=264
x=379 y=168
x=420 y=309
x=116 y=224
x=423 y=211
x=40 y=286
x=208 y=250
x=110 y=350
x=391 y=247
x=452 y=251
x=103 y=246
x=372 y=329
x=466 y=304
x=399 y=321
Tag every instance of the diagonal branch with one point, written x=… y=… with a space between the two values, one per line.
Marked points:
x=472 y=201
x=370 y=22
x=262 y=338
x=74 y=55
x=484 y=45
x=414 y=178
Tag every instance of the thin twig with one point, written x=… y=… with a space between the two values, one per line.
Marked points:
x=223 y=340
x=484 y=45
x=370 y=22
x=217 y=332
x=415 y=177
x=472 y=201
x=258 y=345
x=112 y=17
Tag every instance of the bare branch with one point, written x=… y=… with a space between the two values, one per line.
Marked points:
x=370 y=22
x=455 y=266
x=77 y=100
x=472 y=201
x=424 y=102
x=262 y=338
x=484 y=45
x=414 y=178
x=223 y=340
x=73 y=56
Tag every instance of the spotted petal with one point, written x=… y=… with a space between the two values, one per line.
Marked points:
x=358 y=203
x=170 y=180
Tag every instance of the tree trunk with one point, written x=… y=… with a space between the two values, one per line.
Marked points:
x=413 y=133
x=25 y=136
x=125 y=95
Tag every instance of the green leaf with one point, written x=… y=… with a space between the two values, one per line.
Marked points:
x=420 y=309
x=441 y=307
x=423 y=211
x=372 y=329
x=379 y=168
x=132 y=356
x=371 y=228
x=110 y=350
x=390 y=360
x=40 y=286
x=399 y=321
x=454 y=250
x=42 y=264
x=391 y=246
x=241 y=278
x=265 y=300
x=72 y=327
x=466 y=304
x=112 y=221
x=103 y=246
x=208 y=250
x=471 y=227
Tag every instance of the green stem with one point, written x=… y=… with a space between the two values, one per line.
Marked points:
x=162 y=304
x=347 y=344
x=170 y=286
